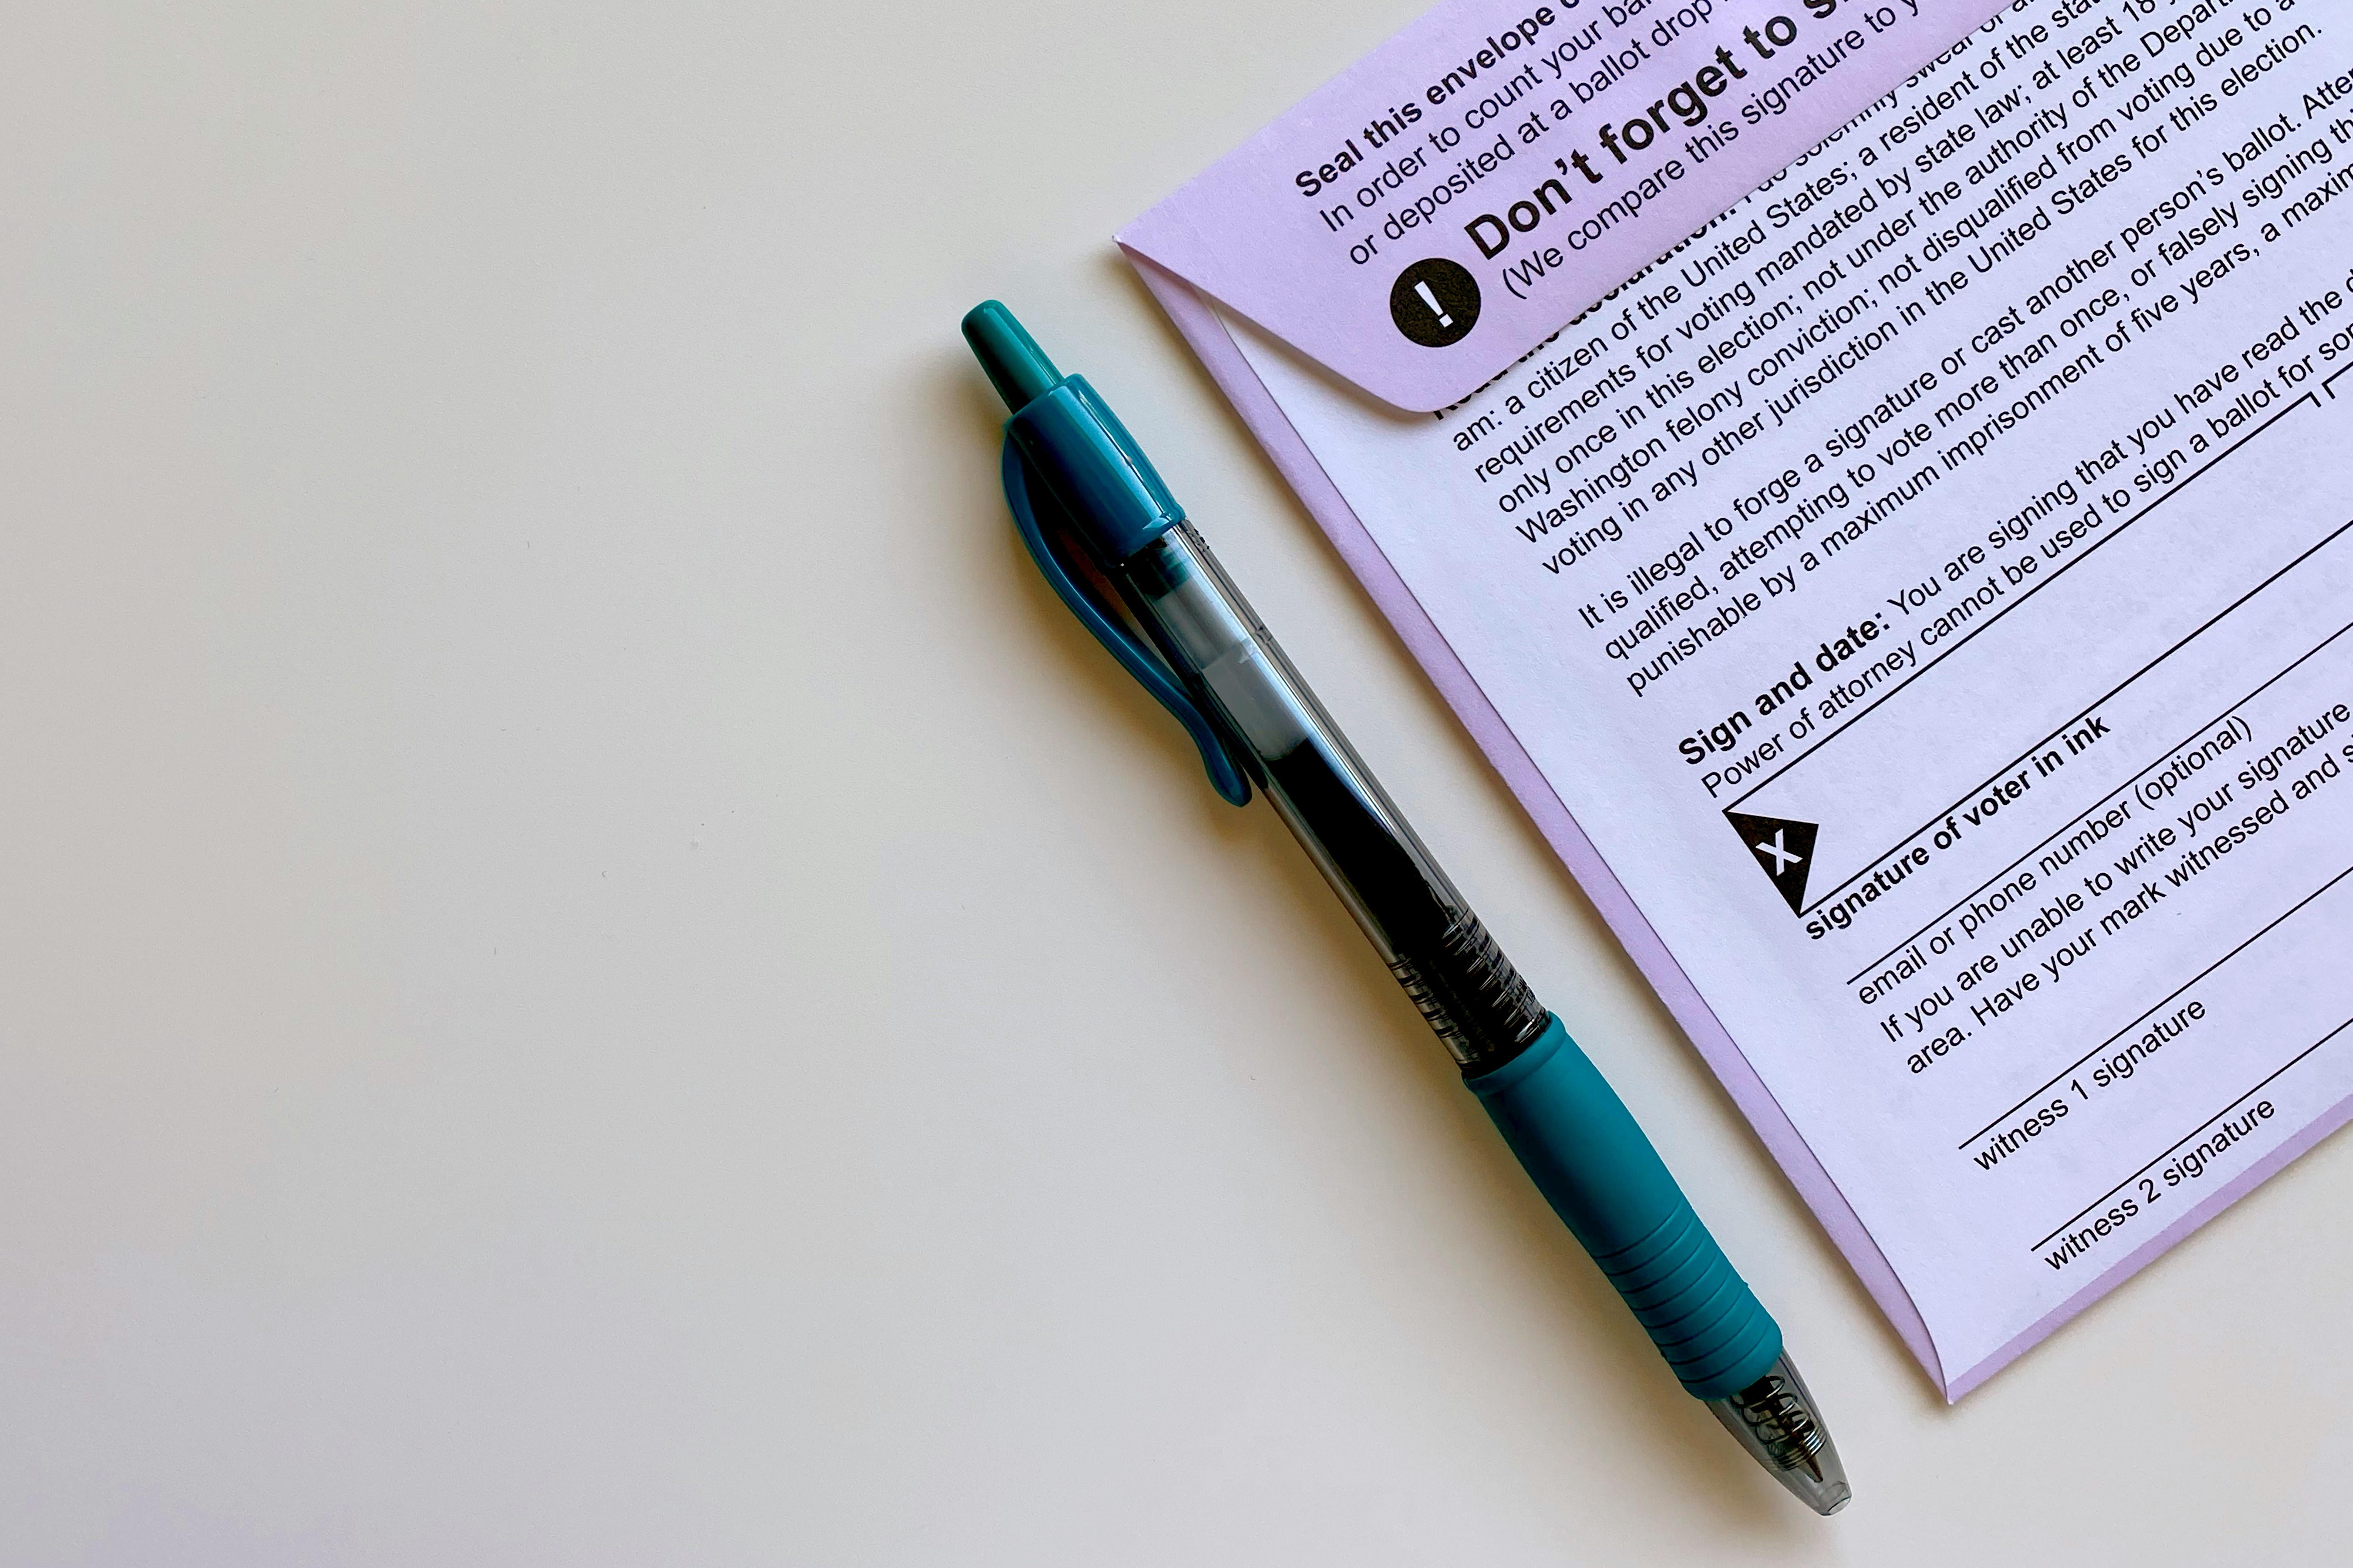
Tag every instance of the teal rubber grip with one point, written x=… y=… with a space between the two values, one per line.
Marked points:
x=1593 y=1164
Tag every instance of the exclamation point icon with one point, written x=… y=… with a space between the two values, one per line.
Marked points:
x=1435 y=302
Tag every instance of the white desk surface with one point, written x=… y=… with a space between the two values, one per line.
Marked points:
x=594 y=972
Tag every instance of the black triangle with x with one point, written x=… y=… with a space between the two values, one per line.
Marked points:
x=1783 y=848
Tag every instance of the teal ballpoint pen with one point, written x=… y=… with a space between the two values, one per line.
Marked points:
x=1092 y=509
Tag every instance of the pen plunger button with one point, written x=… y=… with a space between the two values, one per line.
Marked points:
x=1017 y=366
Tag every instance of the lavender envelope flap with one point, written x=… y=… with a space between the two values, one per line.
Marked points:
x=1430 y=215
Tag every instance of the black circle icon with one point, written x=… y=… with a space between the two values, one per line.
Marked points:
x=1435 y=302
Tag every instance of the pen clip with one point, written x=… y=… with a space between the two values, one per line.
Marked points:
x=1134 y=656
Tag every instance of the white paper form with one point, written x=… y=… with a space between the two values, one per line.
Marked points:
x=1930 y=590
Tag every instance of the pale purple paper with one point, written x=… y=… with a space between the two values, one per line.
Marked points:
x=1197 y=322
x=1243 y=233
x=2238 y=1187
x=1236 y=235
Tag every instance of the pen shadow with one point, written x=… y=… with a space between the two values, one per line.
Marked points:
x=1644 y=1406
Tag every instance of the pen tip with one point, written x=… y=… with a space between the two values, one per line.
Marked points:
x=1017 y=366
x=1777 y=1420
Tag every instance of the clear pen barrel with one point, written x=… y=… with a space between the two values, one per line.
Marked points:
x=1439 y=952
